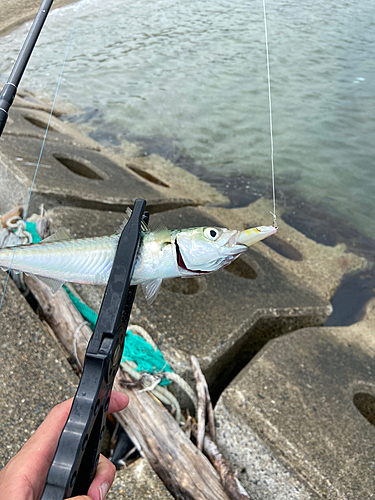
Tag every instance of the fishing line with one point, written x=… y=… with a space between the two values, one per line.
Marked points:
x=42 y=147
x=270 y=107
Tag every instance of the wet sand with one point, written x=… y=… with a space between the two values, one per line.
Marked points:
x=13 y=14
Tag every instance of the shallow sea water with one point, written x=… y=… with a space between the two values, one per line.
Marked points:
x=193 y=75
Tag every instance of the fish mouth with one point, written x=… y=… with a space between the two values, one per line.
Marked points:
x=181 y=263
x=232 y=242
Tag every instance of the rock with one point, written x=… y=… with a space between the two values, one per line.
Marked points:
x=304 y=407
x=34 y=375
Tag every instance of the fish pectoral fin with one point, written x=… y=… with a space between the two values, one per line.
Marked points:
x=151 y=289
x=53 y=284
x=59 y=235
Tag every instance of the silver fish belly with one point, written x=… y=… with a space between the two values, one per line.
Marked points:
x=87 y=260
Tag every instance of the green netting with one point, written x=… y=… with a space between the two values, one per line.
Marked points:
x=142 y=353
x=31 y=228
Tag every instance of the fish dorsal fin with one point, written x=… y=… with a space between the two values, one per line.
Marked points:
x=59 y=235
x=151 y=289
x=128 y=213
x=121 y=227
x=144 y=227
x=53 y=284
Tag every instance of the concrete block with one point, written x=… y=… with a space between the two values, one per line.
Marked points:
x=27 y=99
x=75 y=176
x=29 y=116
x=12 y=189
x=26 y=122
x=224 y=318
x=317 y=267
x=34 y=373
x=138 y=482
x=167 y=175
x=305 y=404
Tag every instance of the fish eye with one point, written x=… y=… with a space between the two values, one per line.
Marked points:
x=211 y=233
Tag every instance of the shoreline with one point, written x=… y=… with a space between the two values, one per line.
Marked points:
x=11 y=19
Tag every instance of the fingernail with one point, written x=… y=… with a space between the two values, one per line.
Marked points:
x=103 y=490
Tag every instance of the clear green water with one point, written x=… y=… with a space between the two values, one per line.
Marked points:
x=194 y=72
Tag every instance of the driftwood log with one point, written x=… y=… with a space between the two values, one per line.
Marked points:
x=185 y=471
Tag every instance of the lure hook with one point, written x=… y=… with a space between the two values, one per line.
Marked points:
x=274 y=220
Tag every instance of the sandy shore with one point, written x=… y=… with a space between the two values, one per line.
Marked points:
x=13 y=14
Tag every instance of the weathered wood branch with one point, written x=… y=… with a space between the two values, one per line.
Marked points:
x=201 y=393
x=231 y=484
x=185 y=471
x=62 y=316
x=205 y=404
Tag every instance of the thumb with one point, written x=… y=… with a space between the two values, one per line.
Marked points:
x=81 y=497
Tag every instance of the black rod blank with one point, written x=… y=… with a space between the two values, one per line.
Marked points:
x=10 y=89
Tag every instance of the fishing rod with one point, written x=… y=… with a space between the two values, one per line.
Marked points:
x=10 y=88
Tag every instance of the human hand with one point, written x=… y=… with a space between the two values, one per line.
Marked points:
x=24 y=476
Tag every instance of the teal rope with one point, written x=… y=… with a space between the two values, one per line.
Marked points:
x=87 y=313
x=137 y=349
x=143 y=354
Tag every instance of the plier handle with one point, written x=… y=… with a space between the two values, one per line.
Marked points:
x=77 y=454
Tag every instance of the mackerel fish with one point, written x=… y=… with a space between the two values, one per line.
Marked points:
x=162 y=254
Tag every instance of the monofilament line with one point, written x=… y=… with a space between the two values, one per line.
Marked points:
x=270 y=108
x=42 y=147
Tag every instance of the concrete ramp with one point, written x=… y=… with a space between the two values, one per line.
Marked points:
x=300 y=417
